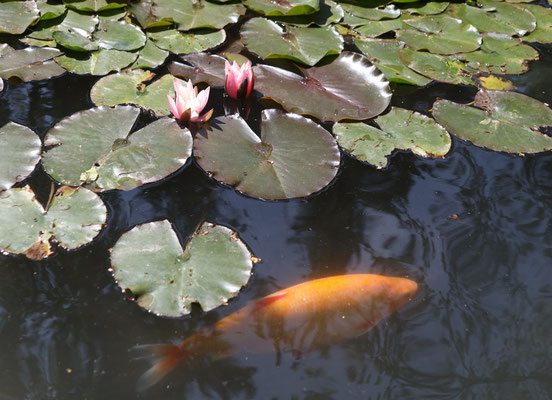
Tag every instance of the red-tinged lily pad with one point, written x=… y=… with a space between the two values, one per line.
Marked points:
x=205 y=67
x=294 y=157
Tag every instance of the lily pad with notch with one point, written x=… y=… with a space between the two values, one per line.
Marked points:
x=150 y=56
x=94 y=148
x=294 y=157
x=148 y=261
x=73 y=218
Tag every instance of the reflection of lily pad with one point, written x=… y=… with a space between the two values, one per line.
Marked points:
x=204 y=14
x=305 y=45
x=30 y=64
x=19 y=153
x=497 y=128
x=149 y=262
x=16 y=16
x=293 y=158
x=74 y=218
x=400 y=129
x=187 y=42
x=287 y=7
x=94 y=147
x=133 y=87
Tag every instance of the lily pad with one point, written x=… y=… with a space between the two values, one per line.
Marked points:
x=134 y=87
x=19 y=153
x=73 y=219
x=119 y=35
x=543 y=32
x=437 y=67
x=287 y=7
x=149 y=262
x=440 y=34
x=93 y=5
x=100 y=62
x=400 y=129
x=49 y=11
x=330 y=12
x=350 y=87
x=429 y=8
x=143 y=12
x=72 y=21
x=94 y=148
x=150 y=56
x=205 y=67
x=294 y=157
x=493 y=129
x=384 y=54
x=198 y=13
x=16 y=16
x=305 y=45
x=30 y=64
x=187 y=42
x=501 y=54
x=368 y=12
x=377 y=28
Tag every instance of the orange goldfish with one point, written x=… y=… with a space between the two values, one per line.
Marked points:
x=297 y=319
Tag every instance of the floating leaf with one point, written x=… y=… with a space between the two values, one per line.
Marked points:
x=501 y=54
x=100 y=62
x=440 y=34
x=492 y=82
x=385 y=55
x=74 y=218
x=16 y=16
x=369 y=12
x=400 y=129
x=203 y=14
x=30 y=64
x=150 y=56
x=133 y=87
x=149 y=262
x=329 y=12
x=205 y=68
x=287 y=7
x=94 y=147
x=72 y=21
x=19 y=153
x=439 y=68
x=494 y=129
x=350 y=87
x=294 y=157
x=187 y=42
x=377 y=28
x=543 y=32
x=49 y=11
x=93 y=5
x=143 y=12
x=119 y=35
x=430 y=8
x=305 y=45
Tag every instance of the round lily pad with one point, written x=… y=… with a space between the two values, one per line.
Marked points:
x=16 y=16
x=30 y=64
x=305 y=45
x=93 y=5
x=148 y=261
x=294 y=157
x=187 y=42
x=150 y=56
x=100 y=62
x=74 y=218
x=94 y=148
x=279 y=8
x=19 y=153
x=490 y=129
x=329 y=12
x=400 y=129
x=134 y=87
x=205 y=67
x=543 y=32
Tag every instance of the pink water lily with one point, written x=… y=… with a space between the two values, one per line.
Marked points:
x=239 y=80
x=189 y=103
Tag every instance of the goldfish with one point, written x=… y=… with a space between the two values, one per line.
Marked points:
x=297 y=319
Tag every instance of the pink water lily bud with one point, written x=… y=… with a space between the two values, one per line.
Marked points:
x=239 y=80
x=189 y=103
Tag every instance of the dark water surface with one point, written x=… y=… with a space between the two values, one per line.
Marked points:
x=480 y=326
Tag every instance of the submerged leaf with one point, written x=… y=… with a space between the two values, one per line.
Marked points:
x=149 y=262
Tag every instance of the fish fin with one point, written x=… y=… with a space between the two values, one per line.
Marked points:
x=265 y=301
x=164 y=357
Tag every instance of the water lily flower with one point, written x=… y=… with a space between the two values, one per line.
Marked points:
x=239 y=80
x=189 y=103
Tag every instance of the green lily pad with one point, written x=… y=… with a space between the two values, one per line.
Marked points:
x=305 y=45
x=330 y=12
x=100 y=62
x=93 y=5
x=294 y=157
x=440 y=34
x=385 y=55
x=119 y=35
x=134 y=87
x=73 y=219
x=94 y=148
x=369 y=12
x=496 y=16
x=16 y=16
x=543 y=32
x=150 y=56
x=187 y=42
x=143 y=12
x=49 y=11
x=30 y=64
x=493 y=129
x=72 y=21
x=149 y=262
x=350 y=87
x=374 y=29
x=76 y=41
x=400 y=129
x=205 y=67
x=430 y=8
x=198 y=13
x=287 y=7
x=501 y=54
x=437 y=67
x=19 y=153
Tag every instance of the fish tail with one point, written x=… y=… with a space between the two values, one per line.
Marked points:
x=163 y=357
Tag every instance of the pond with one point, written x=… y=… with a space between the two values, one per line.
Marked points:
x=473 y=229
